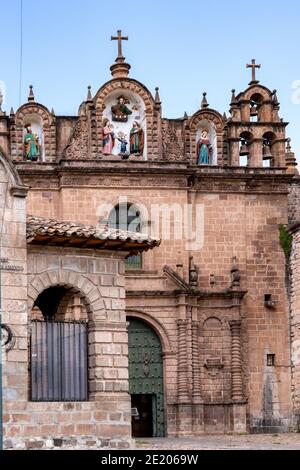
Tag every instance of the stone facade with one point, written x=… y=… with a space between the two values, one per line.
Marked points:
x=223 y=322
x=294 y=198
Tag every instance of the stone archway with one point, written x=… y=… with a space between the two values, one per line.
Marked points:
x=60 y=341
x=146 y=379
x=90 y=293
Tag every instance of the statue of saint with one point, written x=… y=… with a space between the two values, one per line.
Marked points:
x=204 y=150
x=137 y=139
x=123 y=141
x=31 y=145
x=108 y=138
x=120 y=111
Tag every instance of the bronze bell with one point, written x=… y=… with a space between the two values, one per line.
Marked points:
x=267 y=154
x=244 y=152
x=253 y=110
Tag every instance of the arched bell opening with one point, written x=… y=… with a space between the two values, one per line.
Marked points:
x=269 y=139
x=256 y=104
x=246 y=139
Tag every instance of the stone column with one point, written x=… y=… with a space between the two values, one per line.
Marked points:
x=239 y=411
x=197 y=404
x=236 y=362
x=182 y=362
x=256 y=154
x=184 y=407
x=234 y=152
x=196 y=363
x=278 y=152
x=187 y=141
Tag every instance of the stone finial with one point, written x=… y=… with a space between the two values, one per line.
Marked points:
x=119 y=70
x=185 y=117
x=157 y=97
x=52 y=112
x=233 y=97
x=275 y=98
x=224 y=117
x=89 y=94
x=12 y=112
x=204 y=103
x=290 y=159
x=235 y=274
x=193 y=274
x=31 y=94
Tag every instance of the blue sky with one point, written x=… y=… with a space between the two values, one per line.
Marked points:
x=184 y=47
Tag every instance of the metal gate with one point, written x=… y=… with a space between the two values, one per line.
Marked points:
x=59 y=361
x=146 y=375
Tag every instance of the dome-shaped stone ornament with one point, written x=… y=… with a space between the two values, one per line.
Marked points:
x=7 y=338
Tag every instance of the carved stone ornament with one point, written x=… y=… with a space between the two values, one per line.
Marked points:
x=214 y=367
x=7 y=338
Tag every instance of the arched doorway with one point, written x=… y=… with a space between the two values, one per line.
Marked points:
x=146 y=382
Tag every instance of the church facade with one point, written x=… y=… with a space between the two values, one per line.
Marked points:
x=145 y=291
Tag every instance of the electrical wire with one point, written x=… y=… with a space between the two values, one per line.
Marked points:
x=21 y=52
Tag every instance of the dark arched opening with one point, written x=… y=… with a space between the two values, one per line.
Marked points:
x=59 y=346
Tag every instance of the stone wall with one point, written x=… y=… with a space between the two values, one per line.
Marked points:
x=295 y=325
x=294 y=201
x=237 y=222
x=13 y=285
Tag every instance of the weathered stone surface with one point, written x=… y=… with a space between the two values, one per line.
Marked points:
x=217 y=338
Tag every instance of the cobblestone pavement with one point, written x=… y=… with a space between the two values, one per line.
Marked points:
x=232 y=442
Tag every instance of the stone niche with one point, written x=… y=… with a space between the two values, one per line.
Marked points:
x=137 y=106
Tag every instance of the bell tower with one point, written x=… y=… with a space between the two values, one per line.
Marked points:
x=256 y=133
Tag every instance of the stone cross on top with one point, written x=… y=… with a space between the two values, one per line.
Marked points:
x=253 y=66
x=120 y=38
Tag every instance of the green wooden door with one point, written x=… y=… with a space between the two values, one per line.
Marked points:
x=146 y=370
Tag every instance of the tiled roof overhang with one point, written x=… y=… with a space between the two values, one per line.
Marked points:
x=42 y=231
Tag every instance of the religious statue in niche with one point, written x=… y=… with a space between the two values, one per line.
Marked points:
x=204 y=149
x=137 y=139
x=31 y=145
x=108 y=137
x=120 y=111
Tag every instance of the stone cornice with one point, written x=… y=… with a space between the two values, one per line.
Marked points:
x=19 y=191
x=155 y=174
x=117 y=166
x=231 y=294
x=258 y=124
